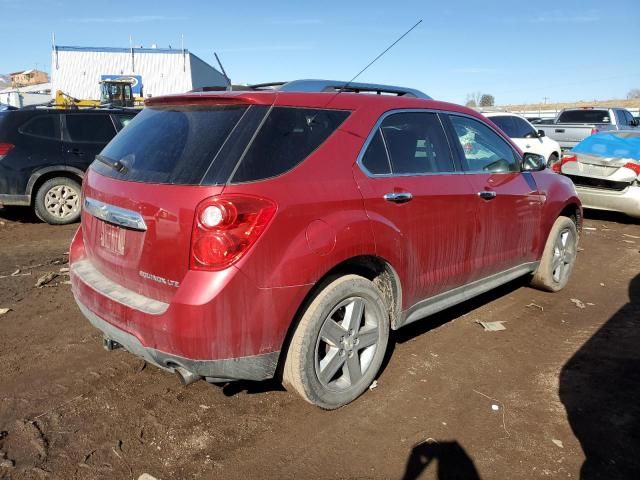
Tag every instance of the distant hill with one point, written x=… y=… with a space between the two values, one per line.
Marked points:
x=583 y=103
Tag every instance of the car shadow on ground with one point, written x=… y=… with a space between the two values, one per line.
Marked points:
x=600 y=390
x=19 y=214
x=452 y=461
x=396 y=337
x=432 y=322
x=607 y=216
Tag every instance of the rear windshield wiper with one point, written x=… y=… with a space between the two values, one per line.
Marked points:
x=117 y=165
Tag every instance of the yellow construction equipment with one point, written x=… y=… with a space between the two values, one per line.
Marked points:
x=116 y=93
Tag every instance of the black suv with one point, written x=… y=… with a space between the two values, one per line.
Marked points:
x=44 y=153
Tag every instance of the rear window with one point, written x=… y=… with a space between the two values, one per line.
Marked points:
x=585 y=116
x=170 y=144
x=286 y=138
x=194 y=145
x=46 y=126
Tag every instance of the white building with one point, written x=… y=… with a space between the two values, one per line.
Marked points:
x=25 y=96
x=77 y=71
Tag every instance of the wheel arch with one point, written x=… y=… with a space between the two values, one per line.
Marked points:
x=574 y=212
x=42 y=175
x=372 y=267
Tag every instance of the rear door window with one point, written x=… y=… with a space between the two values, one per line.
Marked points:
x=409 y=143
x=484 y=150
x=92 y=128
x=287 y=136
x=45 y=126
x=375 y=159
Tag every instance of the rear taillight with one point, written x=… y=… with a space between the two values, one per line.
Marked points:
x=5 y=148
x=633 y=166
x=594 y=131
x=557 y=167
x=224 y=228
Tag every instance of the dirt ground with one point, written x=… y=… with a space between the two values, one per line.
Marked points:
x=555 y=395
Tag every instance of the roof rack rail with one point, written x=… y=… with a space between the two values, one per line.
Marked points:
x=336 y=86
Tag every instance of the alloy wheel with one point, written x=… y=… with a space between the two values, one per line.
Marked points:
x=347 y=343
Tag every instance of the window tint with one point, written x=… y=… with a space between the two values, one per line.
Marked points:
x=47 y=126
x=628 y=118
x=506 y=124
x=484 y=150
x=416 y=143
x=286 y=138
x=585 y=116
x=173 y=145
x=90 y=128
x=523 y=129
x=375 y=158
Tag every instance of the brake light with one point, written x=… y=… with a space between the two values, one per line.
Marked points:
x=557 y=167
x=633 y=166
x=594 y=131
x=5 y=148
x=225 y=228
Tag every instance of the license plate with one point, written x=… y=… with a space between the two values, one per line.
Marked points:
x=596 y=170
x=112 y=238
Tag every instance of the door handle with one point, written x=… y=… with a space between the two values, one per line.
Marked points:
x=76 y=151
x=398 y=197
x=487 y=195
x=559 y=130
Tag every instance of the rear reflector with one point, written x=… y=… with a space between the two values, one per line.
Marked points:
x=594 y=131
x=557 y=167
x=5 y=148
x=225 y=228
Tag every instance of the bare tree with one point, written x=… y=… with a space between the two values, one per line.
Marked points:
x=633 y=94
x=473 y=99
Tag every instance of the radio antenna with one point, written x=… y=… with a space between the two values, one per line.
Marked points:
x=223 y=72
x=346 y=85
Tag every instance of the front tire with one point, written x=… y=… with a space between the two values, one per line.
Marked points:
x=558 y=257
x=339 y=344
x=57 y=201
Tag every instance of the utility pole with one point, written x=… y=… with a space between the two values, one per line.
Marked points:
x=545 y=99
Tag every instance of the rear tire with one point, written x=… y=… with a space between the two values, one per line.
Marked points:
x=553 y=158
x=558 y=257
x=57 y=201
x=339 y=344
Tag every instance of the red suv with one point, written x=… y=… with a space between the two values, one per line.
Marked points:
x=253 y=234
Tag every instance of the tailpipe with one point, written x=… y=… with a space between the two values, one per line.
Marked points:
x=185 y=376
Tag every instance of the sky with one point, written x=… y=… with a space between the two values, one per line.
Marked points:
x=564 y=50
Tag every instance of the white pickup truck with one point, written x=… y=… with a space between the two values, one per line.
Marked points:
x=572 y=125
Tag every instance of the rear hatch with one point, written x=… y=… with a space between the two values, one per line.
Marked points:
x=144 y=190
x=141 y=192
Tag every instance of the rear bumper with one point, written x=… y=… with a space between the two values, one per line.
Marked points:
x=217 y=324
x=255 y=367
x=626 y=201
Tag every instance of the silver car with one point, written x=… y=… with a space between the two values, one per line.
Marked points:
x=605 y=169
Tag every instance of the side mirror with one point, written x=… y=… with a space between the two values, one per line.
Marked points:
x=541 y=133
x=532 y=162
